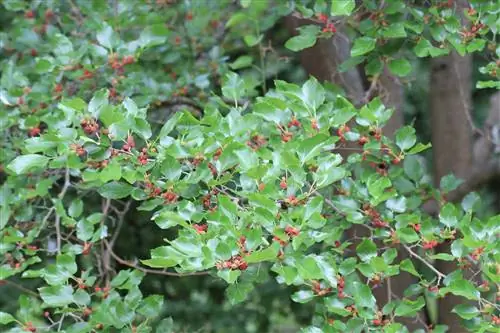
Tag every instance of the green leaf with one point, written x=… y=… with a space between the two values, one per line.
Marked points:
x=97 y=102
x=308 y=268
x=233 y=86
x=111 y=172
x=311 y=147
x=363 y=45
x=303 y=296
x=6 y=318
x=466 y=311
x=407 y=235
x=26 y=163
x=408 y=308
x=44 y=65
x=449 y=215
x=267 y=254
x=461 y=287
x=238 y=292
x=158 y=262
x=407 y=266
x=366 y=250
x=342 y=7
x=419 y=147
x=106 y=36
x=306 y=38
x=252 y=40
x=449 y=183
x=400 y=67
x=56 y=296
x=165 y=326
x=115 y=190
x=166 y=219
x=442 y=256
x=151 y=306
x=395 y=30
x=300 y=42
x=242 y=62
x=406 y=138
x=313 y=93
x=230 y=276
x=363 y=296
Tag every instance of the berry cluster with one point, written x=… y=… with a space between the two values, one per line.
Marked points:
x=242 y=245
x=340 y=287
x=342 y=131
x=118 y=64
x=374 y=215
x=314 y=124
x=283 y=183
x=35 y=131
x=362 y=140
x=291 y=231
x=477 y=253
x=217 y=154
x=234 y=263
x=78 y=149
x=429 y=245
x=207 y=201
x=143 y=156
x=294 y=123
x=130 y=143
x=87 y=75
x=90 y=126
x=170 y=197
x=200 y=228
x=28 y=327
x=256 y=142
x=98 y=164
x=330 y=27
x=319 y=290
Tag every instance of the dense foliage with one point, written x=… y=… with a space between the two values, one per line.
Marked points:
x=113 y=110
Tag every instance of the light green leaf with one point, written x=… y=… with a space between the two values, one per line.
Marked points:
x=56 y=296
x=400 y=67
x=238 y=292
x=6 y=318
x=408 y=308
x=466 y=311
x=115 y=190
x=106 y=36
x=407 y=266
x=342 y=7
x=363 y=45
x=26 y=163
x=366 y=250
x=303 y=296
x=406 y=138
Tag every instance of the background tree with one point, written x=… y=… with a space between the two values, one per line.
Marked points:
x=266 y=200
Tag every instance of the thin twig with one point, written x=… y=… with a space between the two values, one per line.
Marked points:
x=26 y=290
x=467 y=107
x=425 y=262
x=373 y=87
x=61 y=195
x=121 y=218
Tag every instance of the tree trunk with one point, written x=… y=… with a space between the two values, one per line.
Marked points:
x=322 y=61
x=452 y=128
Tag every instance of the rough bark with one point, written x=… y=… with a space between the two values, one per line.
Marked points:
x=322 y=61
x=452 y=132
x=324 y=58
